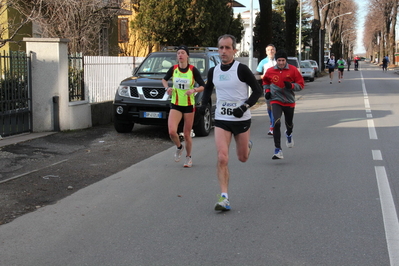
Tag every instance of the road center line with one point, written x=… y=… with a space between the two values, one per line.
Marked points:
x=377 y=156
x=366 y=103
x=370 y=122
x=372 y=132
x=389 y=215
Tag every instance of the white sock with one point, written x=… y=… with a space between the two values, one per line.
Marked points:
x=225 y=195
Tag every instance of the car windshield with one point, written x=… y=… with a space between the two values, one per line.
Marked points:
x=157 y=64
x=305 y=65
x=160 y=64
x=292 y=62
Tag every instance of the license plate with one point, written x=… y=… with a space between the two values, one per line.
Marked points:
x=152 y=114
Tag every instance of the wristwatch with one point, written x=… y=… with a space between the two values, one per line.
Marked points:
x=246 y=105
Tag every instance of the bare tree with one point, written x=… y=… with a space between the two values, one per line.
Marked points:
x=392 y=35
x=342 y=28
x=379 y=37
x=316 y=33
x=341 y=18
x=11 y=28
x=84 y=22
x=371 y=35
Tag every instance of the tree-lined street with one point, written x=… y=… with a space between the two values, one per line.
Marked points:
x=331 y=200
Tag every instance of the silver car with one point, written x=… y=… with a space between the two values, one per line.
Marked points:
x=314 y=65
x=293 y=61
x=307 y=70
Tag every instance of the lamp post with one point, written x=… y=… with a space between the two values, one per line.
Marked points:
x=320 y=31
x=329 y=31
x=251 y=46
x=300 y=33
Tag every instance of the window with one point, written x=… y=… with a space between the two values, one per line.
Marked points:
x=103 y=42
x=123 y=30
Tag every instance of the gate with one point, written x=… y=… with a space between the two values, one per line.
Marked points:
x=15 y=94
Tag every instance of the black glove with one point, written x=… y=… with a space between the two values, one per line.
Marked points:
x=239 y=111
x=268 y=95
x=288 y=85
x=201 y=109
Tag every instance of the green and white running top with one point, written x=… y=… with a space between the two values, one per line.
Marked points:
x=341 y=63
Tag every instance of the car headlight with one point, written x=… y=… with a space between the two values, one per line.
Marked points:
x=124 y=91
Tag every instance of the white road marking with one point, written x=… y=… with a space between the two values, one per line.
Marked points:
x=372 y=132
x=377 y=156
x=389 y=215
x=370 y=122
x=366 y=103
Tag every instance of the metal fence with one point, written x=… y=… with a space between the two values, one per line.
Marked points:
x=102 y=75
x=15 y=94
x=76 y=78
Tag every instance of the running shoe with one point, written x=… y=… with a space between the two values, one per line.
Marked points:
x=188 y=162
x=250 y=144
x=278 y=154
x=290 y=140
x=181 y=136
x=339 y=81
x=178 y=153
x=330 y=82
x=223 y=204
x=270 y=133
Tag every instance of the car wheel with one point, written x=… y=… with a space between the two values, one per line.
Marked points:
x=311 y=79
x=123 y=128
x=204 y=125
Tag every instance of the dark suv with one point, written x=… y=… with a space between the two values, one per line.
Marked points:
x=142 y=98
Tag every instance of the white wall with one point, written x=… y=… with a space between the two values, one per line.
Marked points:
x=49 y=79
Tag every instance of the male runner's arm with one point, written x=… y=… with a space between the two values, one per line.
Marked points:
x=207 y=91
x=245 y=75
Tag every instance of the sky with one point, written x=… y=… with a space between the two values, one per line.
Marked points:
x=359 y=49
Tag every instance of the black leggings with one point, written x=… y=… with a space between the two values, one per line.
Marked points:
x=278 y=110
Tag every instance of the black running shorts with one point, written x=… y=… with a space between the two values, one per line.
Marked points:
x=235 y=127
x=183 y=109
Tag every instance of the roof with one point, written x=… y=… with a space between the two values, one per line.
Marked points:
x=237 y=4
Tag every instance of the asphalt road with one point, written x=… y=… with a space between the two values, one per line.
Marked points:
x=332 y=200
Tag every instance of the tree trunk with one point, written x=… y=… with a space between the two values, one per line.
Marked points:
x=266 y=26
x=290 y=26
x=392 y=36
x=316 y=52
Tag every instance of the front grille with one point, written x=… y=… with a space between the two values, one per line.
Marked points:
x=133 y=92
x=154 y=93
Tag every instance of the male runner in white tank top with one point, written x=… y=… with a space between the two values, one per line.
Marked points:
x=232 y=117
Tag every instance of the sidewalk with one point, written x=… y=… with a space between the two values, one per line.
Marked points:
x=11 y=140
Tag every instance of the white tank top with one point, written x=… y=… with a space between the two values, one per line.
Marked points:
x=230 y=93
